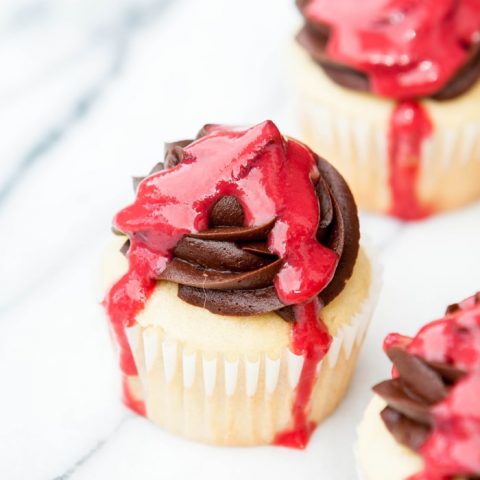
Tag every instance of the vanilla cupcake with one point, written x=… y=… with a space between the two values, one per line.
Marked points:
x=424 y=423
x=237 y=291
x=389 y=93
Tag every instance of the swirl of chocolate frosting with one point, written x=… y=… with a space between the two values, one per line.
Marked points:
x=314 y=37
x=228 y=268
x=412 y=395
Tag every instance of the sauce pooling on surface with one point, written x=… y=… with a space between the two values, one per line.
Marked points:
x=273 y=179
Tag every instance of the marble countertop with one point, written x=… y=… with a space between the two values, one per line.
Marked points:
x=90 y=90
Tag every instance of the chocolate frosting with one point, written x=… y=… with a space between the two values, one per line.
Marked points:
x=412 y=394
x=229 y=269
x=314 y=38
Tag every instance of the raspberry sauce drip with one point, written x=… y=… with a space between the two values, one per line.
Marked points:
x=409 y=127
x=453 y=447
x=272 y=178
x=311 y=339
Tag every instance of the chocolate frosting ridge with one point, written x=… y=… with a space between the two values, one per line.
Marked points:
x=411 y=396
x=229 y=268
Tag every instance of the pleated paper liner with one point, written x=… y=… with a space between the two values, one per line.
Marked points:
x=243 y=399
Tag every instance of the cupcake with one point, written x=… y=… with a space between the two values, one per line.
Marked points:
x=237 y=291
x=424 y=423
x=388 y=91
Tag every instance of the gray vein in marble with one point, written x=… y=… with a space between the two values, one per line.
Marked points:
x=135 y=19
x=25 y=15
x=132 y=20
x=92 y=452
x=79 y=110
x=59 y=265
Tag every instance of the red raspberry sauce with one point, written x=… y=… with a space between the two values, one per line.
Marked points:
x=311 y=339
x=453 y=447
x=272 y=177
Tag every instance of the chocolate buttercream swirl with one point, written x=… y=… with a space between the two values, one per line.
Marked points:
x=410 y=397
x=314 y=37
x=229 y=269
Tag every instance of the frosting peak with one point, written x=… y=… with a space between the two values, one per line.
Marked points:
x=266 y=224
x=267 y=174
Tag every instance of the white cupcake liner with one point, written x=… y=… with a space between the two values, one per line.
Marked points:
x=203 y=391
x=174 y=360
x=356 y=143
x=354 y=139
x=360 y=140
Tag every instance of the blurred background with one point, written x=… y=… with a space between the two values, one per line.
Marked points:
x=89 y=91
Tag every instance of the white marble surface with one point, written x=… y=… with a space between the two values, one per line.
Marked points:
x=89 y=91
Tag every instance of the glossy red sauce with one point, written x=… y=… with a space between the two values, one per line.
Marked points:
x=311 y=339
x=408 y=49
x=453 y=448
x=409 y=127
x=273 y=179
